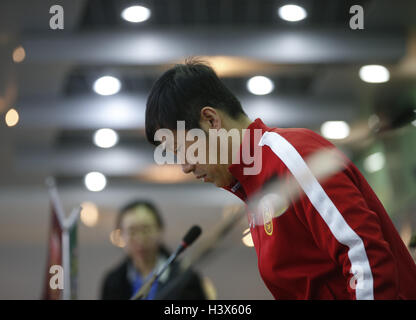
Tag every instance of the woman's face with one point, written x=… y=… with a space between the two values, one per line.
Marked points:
x=140 y=232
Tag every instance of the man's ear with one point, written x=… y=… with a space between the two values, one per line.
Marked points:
x=209 y=119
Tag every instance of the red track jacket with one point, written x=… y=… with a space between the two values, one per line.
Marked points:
x=336 y=241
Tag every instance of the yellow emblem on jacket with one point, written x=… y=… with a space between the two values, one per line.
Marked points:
x=266 y=208
x=268 y=221
x=271 y=206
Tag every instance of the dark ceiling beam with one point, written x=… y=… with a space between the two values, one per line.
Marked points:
x=127 y=111
x=77 y=161
x=143 y=47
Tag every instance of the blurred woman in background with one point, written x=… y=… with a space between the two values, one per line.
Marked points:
x=141 y=228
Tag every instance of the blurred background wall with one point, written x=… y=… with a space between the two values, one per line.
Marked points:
x=51 y=106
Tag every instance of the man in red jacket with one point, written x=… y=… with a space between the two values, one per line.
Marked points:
x=335 y=241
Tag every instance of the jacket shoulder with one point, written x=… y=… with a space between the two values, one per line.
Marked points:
x=302 y=137
x=118 y=271
x=115 y=284
x=304 y=141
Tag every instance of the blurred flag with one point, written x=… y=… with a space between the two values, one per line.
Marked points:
x=73 y=260
x=54 y=257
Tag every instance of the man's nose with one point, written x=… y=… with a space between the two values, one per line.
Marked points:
x=188 y=168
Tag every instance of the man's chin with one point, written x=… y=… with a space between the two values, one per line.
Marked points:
x=214 y=182
x=219 y=183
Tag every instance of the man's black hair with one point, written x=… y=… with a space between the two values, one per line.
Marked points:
x=136 y=204
x=180 y=94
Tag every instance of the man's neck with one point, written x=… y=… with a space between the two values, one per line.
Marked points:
x=241 y=123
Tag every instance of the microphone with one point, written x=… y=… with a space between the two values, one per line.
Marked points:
x=187 y=240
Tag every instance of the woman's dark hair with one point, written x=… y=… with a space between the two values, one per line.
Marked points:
x=180 y=94
x=140 y=203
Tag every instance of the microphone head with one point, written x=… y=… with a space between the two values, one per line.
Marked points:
x=192 y=235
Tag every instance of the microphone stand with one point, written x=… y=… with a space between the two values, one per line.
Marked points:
x=145 y=289
x=189 y=238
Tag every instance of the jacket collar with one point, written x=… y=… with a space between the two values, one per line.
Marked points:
x=242 y=186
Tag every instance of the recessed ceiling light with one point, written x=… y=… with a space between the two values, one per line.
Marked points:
x=335 y=129
x=95 y=181
x=105 y=138
x=260 y=85
x=136 y=14
x=374 y=74
x=107 y=86
x=292 y=13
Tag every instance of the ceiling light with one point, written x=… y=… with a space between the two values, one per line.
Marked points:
x=107 y=85
x=292 y=13
x=335 y=129
x=136 y=14
x=374 y=74
x=105 y=138
x=95 y=181
x=260 y=85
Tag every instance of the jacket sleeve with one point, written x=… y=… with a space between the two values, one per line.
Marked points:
x=342 y=225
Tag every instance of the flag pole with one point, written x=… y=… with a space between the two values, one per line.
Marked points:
x=66 y=264
x=56 y=202
x=66 y=225
x=66 y=251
